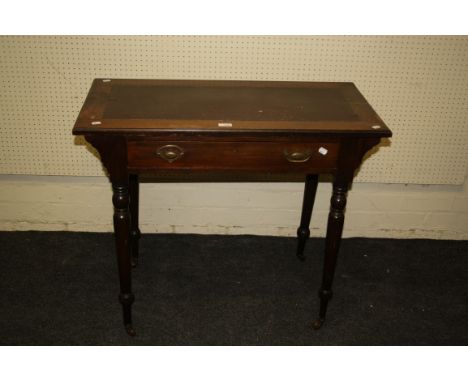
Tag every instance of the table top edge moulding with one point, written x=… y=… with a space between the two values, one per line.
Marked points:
x=267 y=117
x=255 y=127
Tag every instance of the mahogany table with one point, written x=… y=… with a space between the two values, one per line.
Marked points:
x=231 y=127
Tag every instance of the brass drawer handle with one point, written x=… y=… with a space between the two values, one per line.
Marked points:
x=170 y=153
x=297 y=156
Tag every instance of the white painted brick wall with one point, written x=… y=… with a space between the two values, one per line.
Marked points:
x=374 y=210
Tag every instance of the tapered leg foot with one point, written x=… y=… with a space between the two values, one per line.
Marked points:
x=127 y=299
x=325 y=296
x=332 y=245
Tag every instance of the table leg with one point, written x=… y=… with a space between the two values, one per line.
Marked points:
x=303 y=232
x=120 y=200
x=134 y=230
x=332 y=245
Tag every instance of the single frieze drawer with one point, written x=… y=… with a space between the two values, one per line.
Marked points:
x=300 y=157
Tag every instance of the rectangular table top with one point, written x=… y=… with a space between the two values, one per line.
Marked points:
x=167 y=106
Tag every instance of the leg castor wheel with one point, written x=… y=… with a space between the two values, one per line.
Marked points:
x=130 y=331
x=317 y=324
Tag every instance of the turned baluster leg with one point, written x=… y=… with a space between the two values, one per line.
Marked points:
x=303 y=232
x=134 y=230
x=120 y=200
x=332 y=245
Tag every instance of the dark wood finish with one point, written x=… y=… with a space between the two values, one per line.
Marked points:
x=233 y=156
x=303 y=232
x=332 y=108
x=135 y=233
x=230 y=127
x=332 y=245
x=122 y=236
x=113 y=150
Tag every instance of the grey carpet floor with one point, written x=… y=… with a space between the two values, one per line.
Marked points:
x=60 y=288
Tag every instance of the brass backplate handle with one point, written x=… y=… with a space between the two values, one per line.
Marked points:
x=170 y=153
x=296 y=156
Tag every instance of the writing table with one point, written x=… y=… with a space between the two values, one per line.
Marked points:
x=231 y=127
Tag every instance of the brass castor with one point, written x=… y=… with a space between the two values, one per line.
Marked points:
x=130 y=331
x=317 y=324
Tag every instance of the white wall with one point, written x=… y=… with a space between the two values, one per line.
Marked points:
x=374 y=210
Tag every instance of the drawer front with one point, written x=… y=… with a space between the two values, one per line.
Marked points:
x=237 y=156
